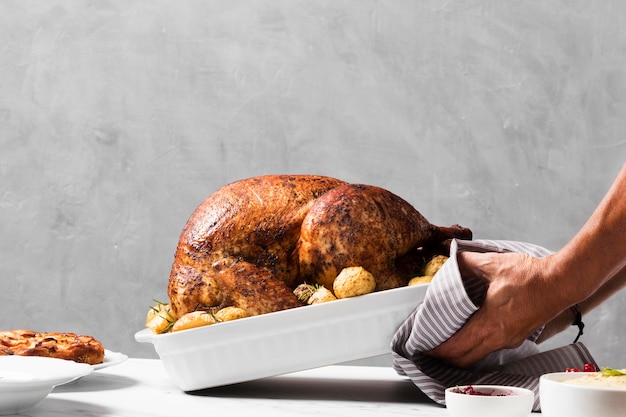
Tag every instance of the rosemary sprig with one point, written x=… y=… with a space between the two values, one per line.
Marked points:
x=161 y=307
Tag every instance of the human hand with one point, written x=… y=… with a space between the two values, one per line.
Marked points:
x=518 y=301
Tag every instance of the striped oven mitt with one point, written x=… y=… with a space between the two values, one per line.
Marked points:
x=448 y=303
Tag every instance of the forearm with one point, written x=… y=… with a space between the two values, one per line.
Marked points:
x=598 y=251
x=564 y=320
x=524 y=292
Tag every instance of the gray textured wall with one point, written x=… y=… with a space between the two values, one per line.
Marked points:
x=118 y=117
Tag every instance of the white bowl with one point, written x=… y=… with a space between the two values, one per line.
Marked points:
x=560 y=399
x=26 y=380
x=495 y=401
x=285 y=341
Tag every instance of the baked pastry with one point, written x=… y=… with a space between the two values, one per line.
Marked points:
x=69 y=346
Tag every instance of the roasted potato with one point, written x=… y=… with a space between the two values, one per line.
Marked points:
x=193 y=319
x=353 y=281
x=425 y=279
x=230 y=313
x=432 y=266
x=321 y=295
x=160 y=318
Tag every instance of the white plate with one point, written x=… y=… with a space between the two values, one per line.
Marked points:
x=285 y=341
x=110 y=359
x=26 y=380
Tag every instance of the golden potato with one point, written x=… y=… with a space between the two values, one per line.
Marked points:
x=321 y=295
x=425 y=279
x=432 y=266
x=160 y=324
x=230 y=313
x=159 y=318
x=192 y=320
x=353 y=281
x=155 y=310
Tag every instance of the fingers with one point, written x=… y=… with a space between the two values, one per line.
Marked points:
x=468 y=345
x=472 y=343
x=494 y=326
x=475 y=264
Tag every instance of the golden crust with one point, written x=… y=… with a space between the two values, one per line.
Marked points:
x=69 y=346
x=251 y=242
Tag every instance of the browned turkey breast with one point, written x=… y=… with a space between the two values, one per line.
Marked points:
x=252 y=241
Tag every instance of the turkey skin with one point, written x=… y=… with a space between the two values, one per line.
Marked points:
x=252 y=241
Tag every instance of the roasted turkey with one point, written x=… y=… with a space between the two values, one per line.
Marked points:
x=252 y=241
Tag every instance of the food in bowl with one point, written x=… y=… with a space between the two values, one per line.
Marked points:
x=607 y=378
x=251 y=242
x=488 y=392
x=489 y=401
x=288 y=341
x=579 y=394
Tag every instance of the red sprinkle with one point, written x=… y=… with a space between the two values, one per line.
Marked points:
x=469 y=390
x=588 y=367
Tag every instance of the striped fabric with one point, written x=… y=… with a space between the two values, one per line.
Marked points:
x=448 y=303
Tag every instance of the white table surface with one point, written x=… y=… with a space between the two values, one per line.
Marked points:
x=141 y=387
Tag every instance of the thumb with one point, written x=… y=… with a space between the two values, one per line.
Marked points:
x=474 y=264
